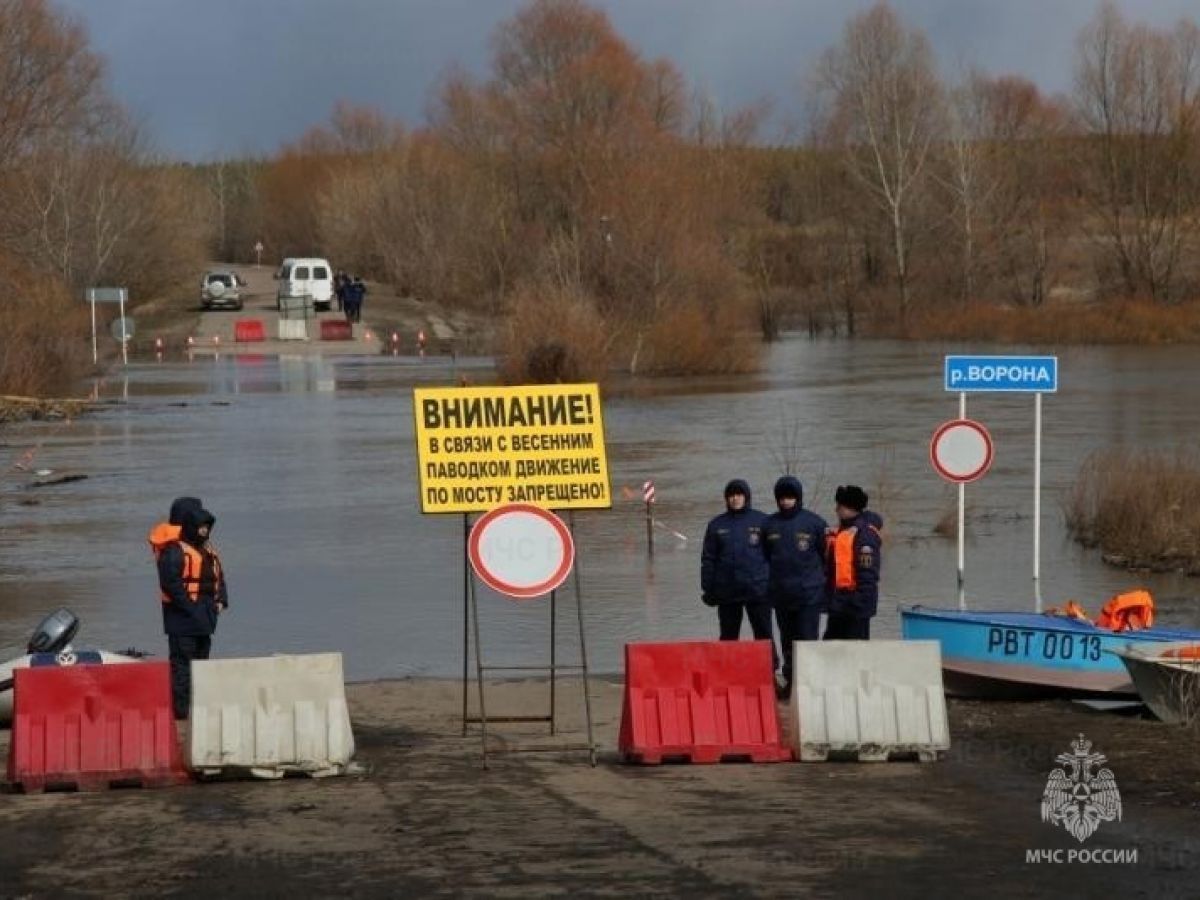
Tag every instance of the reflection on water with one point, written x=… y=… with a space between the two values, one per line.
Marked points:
x=309 y=467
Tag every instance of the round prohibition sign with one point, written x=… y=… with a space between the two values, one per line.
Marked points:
x=521 y=550
x=961 y=450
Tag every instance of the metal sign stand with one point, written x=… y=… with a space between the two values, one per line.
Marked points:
x=962 y=521
x=1036 y=375
x=124 y=332
x=95 y=348
x=471 y=627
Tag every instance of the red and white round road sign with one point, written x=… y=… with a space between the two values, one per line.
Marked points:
x=521 y=551
x=961 y=450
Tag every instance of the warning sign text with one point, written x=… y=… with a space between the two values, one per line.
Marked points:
x=480 y=447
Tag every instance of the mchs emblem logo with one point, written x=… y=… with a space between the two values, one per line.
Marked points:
x=1079 y=796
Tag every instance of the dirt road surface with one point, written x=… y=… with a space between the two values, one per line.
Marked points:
x=428 y=821
x=390 y=322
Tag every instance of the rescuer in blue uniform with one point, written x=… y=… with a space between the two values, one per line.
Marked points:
x=193 y=592
x=853 y=558
x=794 y=540
x=733 y=569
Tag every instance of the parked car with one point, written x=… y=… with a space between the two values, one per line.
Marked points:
x=305 y=277
x=221 y=288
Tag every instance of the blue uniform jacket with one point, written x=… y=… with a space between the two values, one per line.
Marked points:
x=794 y=541
x=733 y=568
x=863 y=601
x=182 y=616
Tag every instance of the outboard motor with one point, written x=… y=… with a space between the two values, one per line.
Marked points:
x=54 y=633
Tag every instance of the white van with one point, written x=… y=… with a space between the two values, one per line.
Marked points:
x=300 y=277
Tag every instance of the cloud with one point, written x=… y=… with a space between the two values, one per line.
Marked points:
x=229 y=77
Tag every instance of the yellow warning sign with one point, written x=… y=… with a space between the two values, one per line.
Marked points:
x=478 y=448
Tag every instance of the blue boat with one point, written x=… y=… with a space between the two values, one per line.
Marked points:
x=1019 y=655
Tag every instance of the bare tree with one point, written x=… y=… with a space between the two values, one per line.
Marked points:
x=49 y=81
x=884 y=108
x=966 y=172
x=1137 y=93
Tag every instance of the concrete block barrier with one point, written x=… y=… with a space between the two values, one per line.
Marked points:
x=249 y=331
x=336 y=330
x=90 y=727
x=268 y=716
x=700 y=702
x=293 y=330
x=873 y=700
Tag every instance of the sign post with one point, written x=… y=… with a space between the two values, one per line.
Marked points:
x=94 y=295
x=1035 y=375
x=648 y=499
x=513 y=454
x=961 y=451
x=258 y=249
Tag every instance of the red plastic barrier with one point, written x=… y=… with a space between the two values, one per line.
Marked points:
x=249 y=331
x=700 y=701
x=92 y=726
x=336 y=330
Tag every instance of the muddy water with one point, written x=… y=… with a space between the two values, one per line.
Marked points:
x=309 y=467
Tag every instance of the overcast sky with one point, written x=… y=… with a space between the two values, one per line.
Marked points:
x=210 y=78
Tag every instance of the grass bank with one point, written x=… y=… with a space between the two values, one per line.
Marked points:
x=1140 y=508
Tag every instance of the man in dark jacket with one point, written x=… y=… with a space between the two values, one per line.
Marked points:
x=193 y=593
x=853 y=557
x=794 y=540
x=733 y=569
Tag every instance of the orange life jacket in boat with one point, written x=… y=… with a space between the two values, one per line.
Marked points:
x=1189 y=653
x=1071 y=611
x=1131 y=611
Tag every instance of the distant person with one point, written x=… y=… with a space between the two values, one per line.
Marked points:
x=351 y=302
x=193 y=591
x=794 y=541
x=853 y=558
x=733 y=568
x=359 y=292
x=340 y=283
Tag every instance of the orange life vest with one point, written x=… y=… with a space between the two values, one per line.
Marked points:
x=193 y=565
x=1071 y=611
x=1131 y=611
x=160 y=536
x=1192 y=652
x=841 y=551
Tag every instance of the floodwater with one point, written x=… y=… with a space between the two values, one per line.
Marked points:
x=309 y=466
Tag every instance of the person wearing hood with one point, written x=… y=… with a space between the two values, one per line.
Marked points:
x=853 y=558
x=193 y=592
x=733 y=569
x=164 y=533
x=794 y=541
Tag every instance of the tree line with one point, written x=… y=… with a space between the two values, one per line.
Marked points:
x=83 y=201
x=610 y=217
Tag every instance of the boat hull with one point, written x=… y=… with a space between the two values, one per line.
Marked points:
x=1171 y=688
x=1019 y=656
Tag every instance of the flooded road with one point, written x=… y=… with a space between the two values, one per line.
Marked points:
x=309 y=466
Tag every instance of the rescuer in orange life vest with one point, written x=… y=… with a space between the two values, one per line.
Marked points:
x=853 y=558
x=192 y=587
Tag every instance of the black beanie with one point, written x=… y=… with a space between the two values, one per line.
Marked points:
x=852 y=497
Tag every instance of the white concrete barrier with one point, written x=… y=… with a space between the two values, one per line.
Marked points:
x=293 y=330
x=269 y=716
x=868 y=699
